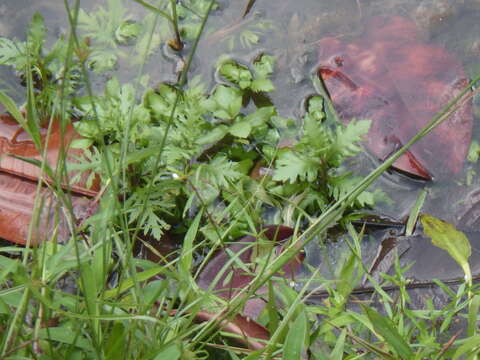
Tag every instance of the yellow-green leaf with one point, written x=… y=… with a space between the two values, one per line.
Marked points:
x=447 y=237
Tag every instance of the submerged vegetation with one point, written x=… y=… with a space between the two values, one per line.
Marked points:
x=185 y=170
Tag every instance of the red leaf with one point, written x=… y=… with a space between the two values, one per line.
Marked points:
x=17 y=193
x=17 y=198
x=392 y=77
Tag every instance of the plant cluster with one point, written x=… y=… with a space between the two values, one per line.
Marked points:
x=204 y=166
x=219 y=150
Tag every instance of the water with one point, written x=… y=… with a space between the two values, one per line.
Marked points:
x=291 y=30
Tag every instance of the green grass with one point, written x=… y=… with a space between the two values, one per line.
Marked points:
x=119 y=306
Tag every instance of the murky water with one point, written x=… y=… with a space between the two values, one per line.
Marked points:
x=291 y=30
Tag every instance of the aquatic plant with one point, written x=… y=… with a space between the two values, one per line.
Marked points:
x=193 y=169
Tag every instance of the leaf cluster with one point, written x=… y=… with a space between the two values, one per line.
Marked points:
x=113 y=33
x=223 y=150
x=193 y=149
x=39 y=68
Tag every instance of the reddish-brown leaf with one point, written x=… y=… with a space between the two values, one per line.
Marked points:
x=17 y=197
x=18 y=184
x=15 y=141
x=247 y=331
x=235 y=278
x=391 y=76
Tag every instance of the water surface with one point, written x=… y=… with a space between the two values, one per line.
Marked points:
x=291 y=30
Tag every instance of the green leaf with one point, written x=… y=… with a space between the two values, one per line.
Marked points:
x=315 y=108
x=446 y=237
x=115 y=345
x=170 y=352
x=65 y=335
x=36 y=34
x=227 y=102
x=240 y=129
x=295 y=342
x=385 y=328
x=13 y=109
x=81 y=143
x=262 y=85
x=264 y=66
x=413 y=217
x=129 y=283
x=261 y=116
x=12 y=53
x=348 y=137
x=214 y=135
x=102 y=60
x=337 y=353
x=473 y=152
x=236 y=73
x=290 y=166
x=473 y=315
x=186 y=257
x=127 y=32
x=470 y=345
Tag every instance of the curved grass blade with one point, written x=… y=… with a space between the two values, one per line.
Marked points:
x=386 y=329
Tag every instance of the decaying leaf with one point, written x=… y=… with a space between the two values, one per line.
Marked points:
x=246 y=331
x=230 y=276
x=17 y=198
x=18 y=184
x=392 y=77
x=15 y=141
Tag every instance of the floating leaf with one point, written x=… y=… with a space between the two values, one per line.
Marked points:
x=236 y=73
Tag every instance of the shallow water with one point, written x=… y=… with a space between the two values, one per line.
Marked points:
x=291 y=31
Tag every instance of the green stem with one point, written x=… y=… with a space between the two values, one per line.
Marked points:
x=178 y=39
x=156 y=10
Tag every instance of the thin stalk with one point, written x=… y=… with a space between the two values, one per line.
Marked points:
x=73 y=39
x=14 y=324
x=130 y=241
x=163 y=141
x=178 y=40
x=155 y=10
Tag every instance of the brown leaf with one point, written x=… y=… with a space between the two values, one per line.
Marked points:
x=17 y=199
x=390 y=75
x=235 y=278
x=18 y=184
x=16 y=141
x=249 y=332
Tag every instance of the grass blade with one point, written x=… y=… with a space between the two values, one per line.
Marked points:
x=295 y=342
x=386 y=329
